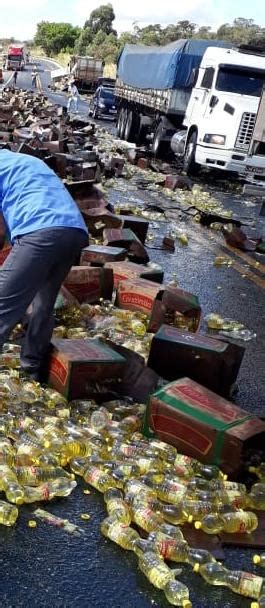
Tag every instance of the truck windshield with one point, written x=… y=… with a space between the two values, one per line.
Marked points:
x=106 y=94
x=242 y=82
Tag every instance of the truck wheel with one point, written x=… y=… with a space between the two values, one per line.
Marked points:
x=159 y=146
x=119 y=122
x=132 y=127
x=189 y=164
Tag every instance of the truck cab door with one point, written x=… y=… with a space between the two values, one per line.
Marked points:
x=257 y=144
x=199 y=104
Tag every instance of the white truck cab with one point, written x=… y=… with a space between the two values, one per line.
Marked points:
x=222 y=110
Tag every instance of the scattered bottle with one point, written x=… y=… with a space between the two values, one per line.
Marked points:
x=231 y=523
x=259 y=560
x=49 y=490
x=154 y=568
x=8 y=514
x=116 y=506
x=243 y=583
x=177 y=594
x=119 y=533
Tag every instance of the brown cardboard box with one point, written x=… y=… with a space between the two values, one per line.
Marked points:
x=137 y=224
x=124 y=237
x=99 y=254
x=89 y=284
x=213 y=363
x=98 y=219
x=202 y=424
x=128 y=270
x=163 y=304
x=74 y=363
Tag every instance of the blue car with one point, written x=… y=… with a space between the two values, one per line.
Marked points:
x=103 y=103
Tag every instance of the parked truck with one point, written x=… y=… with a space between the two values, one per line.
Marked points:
x=86 y=71
x=198 y=97
x=16 y=57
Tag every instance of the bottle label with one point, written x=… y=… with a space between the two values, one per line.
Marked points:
x=45 y=492
x=250 y=585
x=166 y=547
x=94 y=475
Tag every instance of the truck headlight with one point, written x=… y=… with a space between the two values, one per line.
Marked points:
x=212 y=138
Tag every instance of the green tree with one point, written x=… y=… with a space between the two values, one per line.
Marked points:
x=55 y=37
x=104 y=47
x=101 y=20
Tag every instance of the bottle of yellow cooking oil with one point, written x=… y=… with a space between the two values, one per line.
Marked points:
x=10 y=485
x=260 y=603
x=6 y=450
x=177 y=594
x=146 y=518
x=72 y=448
x=174 y=514
x=188 y=467
x=142 y=545
x=201 y=484
x=197 y=509
x=34 y=476
x=135 y=487
x=130 y=424
x=165 y=451
x=154 y=478
x=256 y=497
x=167 y=530
x=98 y=479
x=117 y=506
x=259 y=471
x=259 y=560
x=147 y=464
x=51 y=489
x=243 y=583
x=79 y=465
x=231 y=523
x=172 y=549
x=155 y=569
x=125 y=471
x=119 y=533
x=170 y=492
x=8 y=513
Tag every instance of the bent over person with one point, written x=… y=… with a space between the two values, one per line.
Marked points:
x=47 y=232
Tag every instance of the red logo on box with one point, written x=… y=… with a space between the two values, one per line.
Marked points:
x=58 y=370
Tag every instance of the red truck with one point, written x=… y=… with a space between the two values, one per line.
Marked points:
x=16 y=57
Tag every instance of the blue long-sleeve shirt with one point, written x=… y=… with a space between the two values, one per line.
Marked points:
x=32 y=197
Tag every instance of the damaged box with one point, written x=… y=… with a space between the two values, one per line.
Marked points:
x=213 y=363
x=89 y=284
x=74 y=363
x=128 y=270
x=202 y=425
x=99 y=254
x=163 y=304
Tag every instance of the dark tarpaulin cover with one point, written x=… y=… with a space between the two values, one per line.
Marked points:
x=162 y=67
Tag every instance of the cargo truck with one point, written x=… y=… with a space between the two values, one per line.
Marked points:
x=16 y=57
x=199 y=98
x=86 y=71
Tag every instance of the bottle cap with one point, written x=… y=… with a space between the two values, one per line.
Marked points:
x=190 y=519
x=254 y=605
x=256 y=559
x=198 y=525
x=186 y=604
x=196 y=567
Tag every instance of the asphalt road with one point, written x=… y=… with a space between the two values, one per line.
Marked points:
x=45 y=566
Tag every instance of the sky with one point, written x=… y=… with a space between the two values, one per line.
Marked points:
x=19 y=17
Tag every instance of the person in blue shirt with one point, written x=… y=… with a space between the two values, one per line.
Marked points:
x=47 y=233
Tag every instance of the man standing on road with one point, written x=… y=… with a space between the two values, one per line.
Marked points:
x=15 y=78
x=34 y=75
x=73 y=97
x=47 y=232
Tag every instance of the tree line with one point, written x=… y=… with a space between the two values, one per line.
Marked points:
x=99 y=39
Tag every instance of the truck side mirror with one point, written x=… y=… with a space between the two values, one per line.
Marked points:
x=213 y=101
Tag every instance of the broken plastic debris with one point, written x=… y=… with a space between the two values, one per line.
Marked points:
x=58 y=522
x=240 y=334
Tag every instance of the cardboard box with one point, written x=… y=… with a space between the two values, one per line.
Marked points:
x=202 y=425
x=89 y=284
x=98 y=219
x=99 y=255
x=74 y=363
x=213 y=363
x=128 y=270
x=137 y=224
x=124 y=237
x=163 y=304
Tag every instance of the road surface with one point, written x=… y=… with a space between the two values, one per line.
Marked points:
x=47 y=568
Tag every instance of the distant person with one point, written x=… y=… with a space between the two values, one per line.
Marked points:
x=15 y=78
x=73 y=97
x=34 y=75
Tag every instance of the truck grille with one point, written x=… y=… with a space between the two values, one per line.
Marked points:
x=245 y=131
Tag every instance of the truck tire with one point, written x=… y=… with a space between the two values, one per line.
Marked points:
x=132 y=126
x=119 y=121
x=189 y=165
x=159 y=146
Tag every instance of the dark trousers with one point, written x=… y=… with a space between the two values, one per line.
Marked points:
x=32 y=274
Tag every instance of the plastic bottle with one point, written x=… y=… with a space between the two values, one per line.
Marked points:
x=34 y=476
x=154 y=568
x=145 y=518
x=166 y=530
x=171 y=492
x=98 y=479
x=166 y=451
x=177 y=594
x=243 y=583
x=79 y=465
x=10 y=485
x=125 y=471
x=235 y=522
x=116 y=505
x=8 y=513
x=259 y=471
x=130 y=424
x=256 y=497
x=51 y=489
x=188 y=467
x=174 y=514
x=119 y=533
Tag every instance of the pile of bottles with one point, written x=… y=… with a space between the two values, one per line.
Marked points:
x=148 y=486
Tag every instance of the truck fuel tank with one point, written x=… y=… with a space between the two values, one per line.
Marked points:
x=178 y=142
